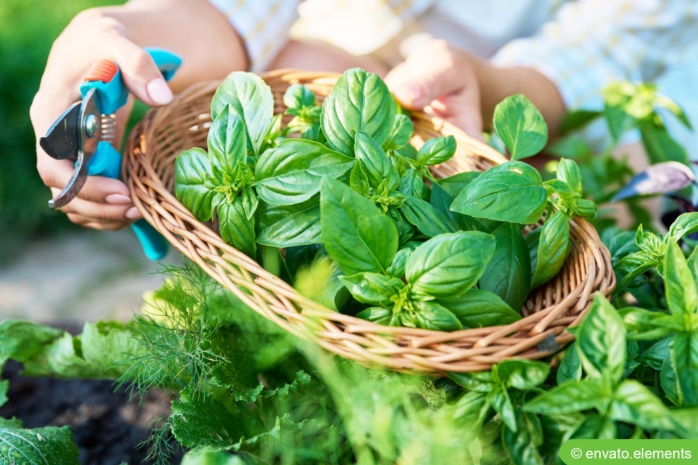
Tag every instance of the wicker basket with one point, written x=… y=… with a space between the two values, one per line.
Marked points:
x=549 y=311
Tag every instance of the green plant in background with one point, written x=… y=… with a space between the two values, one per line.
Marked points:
x=25 y=41
x=628 y=107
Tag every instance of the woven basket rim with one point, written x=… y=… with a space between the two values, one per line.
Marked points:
x=398 y=348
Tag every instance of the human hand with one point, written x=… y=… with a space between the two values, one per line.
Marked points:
x=443 y=80
x=102 y=203
x=463 y=89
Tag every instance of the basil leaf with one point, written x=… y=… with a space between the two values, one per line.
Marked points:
x=471 y=409
x=359 y=101
x=436 y=150
x=521 y=374
x=648 y=325
x=397 y=267
x=686 y=357
x=570 y=368
x=441 y=200
x=358 y=180
x=601 y=340
x=512 y=191
x=520 y=126
x=552 y=248
x=499 y=398
x=373 y=288
x=660 y=146
x=568 y=397
x=405 y=229
x=412 y=183
x=449 y=264
x=522 y=444
x=291 y=173
x=227 y=145
x=681 y=289
x=250 y=202
x=669 y=379
x=587 y=209
x=685 y=224
x=453 y=185
x=192 y=171
x=475 y=381
x=635 y=404
x=297 y=227
x=479 y=309
x=617 y=119
x=430 y=315
x=235 y=228
x=633 y=266
x=428 y=220
x=662 y=101
x=299 y=96
x=577 y=119
x=377 y=166
x=595 y=427
x=400 y=133
x=508 y=273
x=382 y=316
x=693 y=263
x=568 y=171
x=251 y=99
x=356 y=234
x=656 y=354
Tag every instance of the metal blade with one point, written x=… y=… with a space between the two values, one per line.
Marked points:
x=63 y=137
x=70 y=191
x=89 y=132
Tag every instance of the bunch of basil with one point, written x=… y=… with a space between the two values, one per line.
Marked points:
x=360 y=217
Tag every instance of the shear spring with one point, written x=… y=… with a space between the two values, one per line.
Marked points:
x=108 y=128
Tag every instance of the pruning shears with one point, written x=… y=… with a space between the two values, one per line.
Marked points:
x=86 y=131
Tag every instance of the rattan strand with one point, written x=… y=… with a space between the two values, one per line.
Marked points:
x=149 y=158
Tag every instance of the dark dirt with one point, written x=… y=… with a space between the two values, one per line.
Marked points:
x=108 y=426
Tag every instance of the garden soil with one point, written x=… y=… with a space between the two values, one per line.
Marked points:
x=86 y=276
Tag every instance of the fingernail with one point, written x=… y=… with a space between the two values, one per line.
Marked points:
x=118 y=199
x=409 y=93
x=133 y=214
x=159 y=91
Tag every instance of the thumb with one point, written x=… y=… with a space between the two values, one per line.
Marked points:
x=141 y=75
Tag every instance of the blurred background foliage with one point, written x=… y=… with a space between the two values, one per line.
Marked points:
x=28 y=30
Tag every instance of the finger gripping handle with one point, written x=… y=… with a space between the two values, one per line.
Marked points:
x=105 y=76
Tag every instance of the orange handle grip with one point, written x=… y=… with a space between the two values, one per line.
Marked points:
x=103 y=70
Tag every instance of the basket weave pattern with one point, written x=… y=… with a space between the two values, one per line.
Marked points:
x=149 y=171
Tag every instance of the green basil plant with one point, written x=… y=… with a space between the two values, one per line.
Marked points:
x=341 y=182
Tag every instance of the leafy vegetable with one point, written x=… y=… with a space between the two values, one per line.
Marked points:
x=521 y=126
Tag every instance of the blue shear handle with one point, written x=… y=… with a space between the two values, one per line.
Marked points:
x=106 y=160
x=154 y=245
